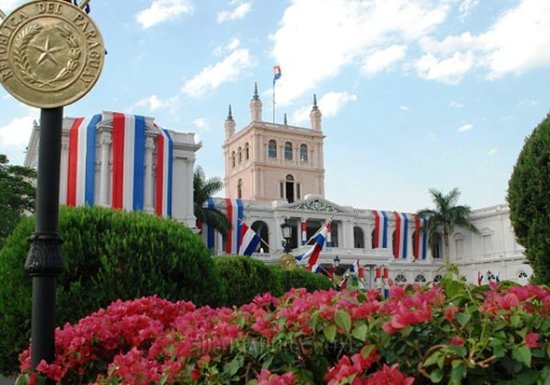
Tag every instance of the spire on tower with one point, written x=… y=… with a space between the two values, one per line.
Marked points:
x=255 y=97
x=315 y=115
x=286 y=121
x=229 y=114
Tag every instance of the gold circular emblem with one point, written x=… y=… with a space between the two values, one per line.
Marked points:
x=51 y=53
x=288 y=262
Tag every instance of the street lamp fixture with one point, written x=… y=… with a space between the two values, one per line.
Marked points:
x=286 y=229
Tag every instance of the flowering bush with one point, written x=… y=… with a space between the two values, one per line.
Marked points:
x=451 y=333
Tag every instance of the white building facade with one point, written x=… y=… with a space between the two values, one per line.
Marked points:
x=180 y=161
x=277 y=172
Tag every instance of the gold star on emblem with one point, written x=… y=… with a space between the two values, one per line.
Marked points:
x=47 y=51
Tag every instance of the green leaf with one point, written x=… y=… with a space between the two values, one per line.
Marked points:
x=343 y=320
x=436 y=376
x=522 y=354
x=22 y=379
x=463 y=318
x=330 y=332
x=515 y=320
x=432 y=359
x=360 y=332
x=367 y=349
x=232 y=367
x=457 y=374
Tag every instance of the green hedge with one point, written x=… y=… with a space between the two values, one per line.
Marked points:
x=108 y=255
x=300 y=277
x=242 y=278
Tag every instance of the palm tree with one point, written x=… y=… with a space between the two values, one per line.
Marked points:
x=446 y=215
x=202 y=189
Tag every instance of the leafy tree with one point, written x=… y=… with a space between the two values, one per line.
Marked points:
x=529 y=200
x=202 y=189
x=446 y=215
x=17 y=195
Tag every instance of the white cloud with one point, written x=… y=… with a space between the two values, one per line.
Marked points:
x=405 y=108
x=456 y=104
x=154 y=103
x=383 y=59
x=238 y=13
x=224 y=71
x=465 y=127
x=449 y=70
x=202 y=124
x=519 y=40
x=492 y=151
x=14 y=138
x=163 y=10
x=306 y=47
x=466 y=7
x=330 y=104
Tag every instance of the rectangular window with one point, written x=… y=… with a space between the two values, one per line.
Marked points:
x=281 y=190
x=298 y=192
x=487 y=243
x=459 y=243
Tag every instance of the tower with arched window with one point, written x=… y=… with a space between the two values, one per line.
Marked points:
x=267 y=161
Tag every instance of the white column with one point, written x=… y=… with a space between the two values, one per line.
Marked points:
x=104 y=174
x=190 y=215
x=148 y=195
x=347 y=234
x=64 y=170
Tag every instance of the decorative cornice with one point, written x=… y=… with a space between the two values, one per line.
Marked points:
x=315 y=205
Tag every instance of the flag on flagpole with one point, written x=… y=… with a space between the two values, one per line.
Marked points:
x=128 y=161
x=249 y=240
x=276 y=73
x=311 y=255
x=81 y=163
x=420 y=237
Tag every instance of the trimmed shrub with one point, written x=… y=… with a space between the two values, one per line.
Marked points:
x=529 y=200
x=300 y=278
x=108 y=255
x=243 y=278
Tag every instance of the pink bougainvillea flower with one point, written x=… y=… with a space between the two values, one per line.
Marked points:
x=457 y=341
x=389 y=375
x=532 y=340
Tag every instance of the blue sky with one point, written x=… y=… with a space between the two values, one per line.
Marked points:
x=415 y=94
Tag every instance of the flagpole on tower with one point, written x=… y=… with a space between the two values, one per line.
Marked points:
x=276 y=76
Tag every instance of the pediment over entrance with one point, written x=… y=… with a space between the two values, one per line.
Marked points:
x=316 y=203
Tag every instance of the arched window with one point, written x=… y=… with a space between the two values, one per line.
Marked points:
x=438 y=278
x=358 y=238
x=288 y=151
x=303 y=153
x=400 y=279
x=289 y=188
x=372 y=239
x=247 y=151
x=260 y=228
x=437 y=245
x=240 y=188
x=272 y=149
x=240 y=155
x=233 y=159
x=420 y=279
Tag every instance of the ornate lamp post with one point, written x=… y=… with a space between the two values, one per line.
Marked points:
x=287 y=260
x=51 y=55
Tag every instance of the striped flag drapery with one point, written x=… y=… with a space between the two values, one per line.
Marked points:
x=235 y=214
x=164 y=173
x=81 y=162
x=128 y=161
x=380 y=229
x=401 y=235
x=420 y=238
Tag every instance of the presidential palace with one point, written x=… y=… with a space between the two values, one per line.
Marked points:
x=274 y=173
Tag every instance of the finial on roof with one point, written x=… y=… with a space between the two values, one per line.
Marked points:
x=229 y=114
x=256 y=97
x=286 y=122
x=315 y=102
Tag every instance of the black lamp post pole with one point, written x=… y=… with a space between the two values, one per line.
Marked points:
x=45 y=261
